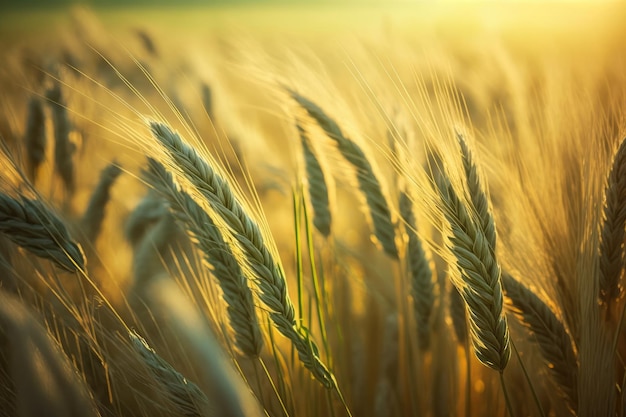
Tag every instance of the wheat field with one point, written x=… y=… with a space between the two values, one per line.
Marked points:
x=313 y=210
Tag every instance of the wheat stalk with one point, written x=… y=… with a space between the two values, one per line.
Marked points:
x=553 y=340
x=422 y=288
x=479 y=284
x=94 y=214
x=318 y=190
x=380 y=213
x=29 y=224
x=217 y=253
x=613 y=224
x=268 y=274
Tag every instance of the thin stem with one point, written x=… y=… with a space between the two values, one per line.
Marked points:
x=257 y=377
x=269 y=378
x=404 y=344
x=618 y=328
x=506 y=395
x=296 y=217
x=343 y=401
x=468 y=379
x=329 y=400
x=320 y=300
x=278 y=366
x=530 y=384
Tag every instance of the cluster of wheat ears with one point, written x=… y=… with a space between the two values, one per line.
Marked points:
x=208 y=274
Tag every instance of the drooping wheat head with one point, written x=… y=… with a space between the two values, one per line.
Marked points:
x=553 y=339
x=268 y=274
x=187 y=396
x=613 y=229
x=95 y=211
x=217 y=253
x=31 y=225
x=421 y=276
x=316 y=182
x=369 y=183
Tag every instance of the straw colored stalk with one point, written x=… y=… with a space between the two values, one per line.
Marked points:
x=380 y=213
x=217 y=253
x=267 y=272
x=29 y=224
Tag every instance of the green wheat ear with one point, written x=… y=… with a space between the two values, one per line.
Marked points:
x=380 y=213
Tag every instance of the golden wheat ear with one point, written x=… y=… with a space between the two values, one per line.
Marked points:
x=41 y=379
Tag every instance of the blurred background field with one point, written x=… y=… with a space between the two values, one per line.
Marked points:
x=539 y=89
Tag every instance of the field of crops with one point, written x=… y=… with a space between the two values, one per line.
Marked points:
x=411 y=210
